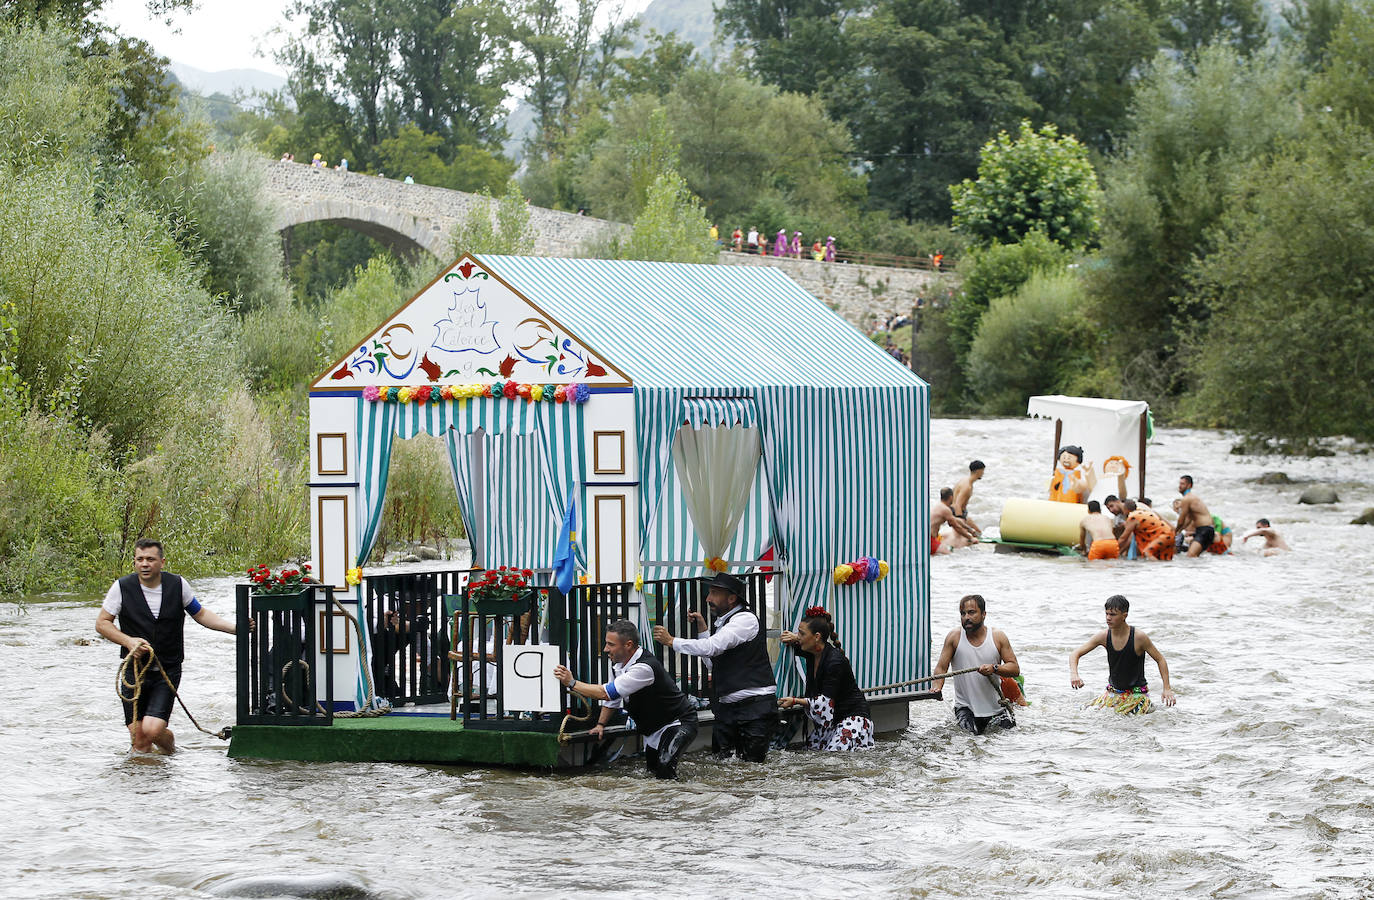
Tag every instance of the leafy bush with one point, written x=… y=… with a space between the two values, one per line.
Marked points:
x=671 y=228
x=1032 y=342
x=496 y=226
x=998 y=271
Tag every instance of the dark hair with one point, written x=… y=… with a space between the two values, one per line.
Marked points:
x=976 y=598
x=1263 y=523
x=824 y=626
x=1070 y=448
x=1129 y=505
x=976 y=465
x=1146 y=501
x=1112 y=498
x=1187 y=478
x=145 y=543
x=946 y=494
x=625 y=629
x=1094 y=506
x=1118 y=603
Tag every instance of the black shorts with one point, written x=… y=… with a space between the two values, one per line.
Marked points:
x=1204 y=535
x=979 y=724
x=155 y=699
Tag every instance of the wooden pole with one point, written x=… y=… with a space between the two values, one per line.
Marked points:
x=1144 y=425
x=1058 y=433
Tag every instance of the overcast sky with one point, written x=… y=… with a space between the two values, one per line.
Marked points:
x=220 y=34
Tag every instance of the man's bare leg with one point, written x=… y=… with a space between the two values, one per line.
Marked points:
x=153 y=732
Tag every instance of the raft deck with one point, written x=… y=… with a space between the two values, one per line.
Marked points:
x=420 y=737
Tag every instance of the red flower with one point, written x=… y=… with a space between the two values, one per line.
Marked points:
x=510 y=390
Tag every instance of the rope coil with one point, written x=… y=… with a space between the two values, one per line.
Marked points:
x=138 y=665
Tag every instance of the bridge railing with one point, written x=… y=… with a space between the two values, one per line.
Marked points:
x=864 y=258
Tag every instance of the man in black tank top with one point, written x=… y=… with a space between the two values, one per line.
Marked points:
x=1127 y=690
x=662 y=713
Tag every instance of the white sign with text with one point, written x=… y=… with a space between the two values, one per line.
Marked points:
x=527 y=681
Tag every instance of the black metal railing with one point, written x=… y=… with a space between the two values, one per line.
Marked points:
x=591 y=608
x=277 y=637
x=408 y=629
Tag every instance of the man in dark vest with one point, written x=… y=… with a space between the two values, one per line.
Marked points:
x=744 y=694
x=151 y=606
x=640 y=684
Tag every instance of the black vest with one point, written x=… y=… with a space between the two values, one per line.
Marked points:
x=164 y=632
x=743 y=666
x=658 y=704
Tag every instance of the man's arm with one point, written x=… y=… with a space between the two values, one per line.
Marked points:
x=1093 y=643
x=958 y=524
x=1144 y=644
x=741 y=627
x=632 y=679
x=1124 y=540
x=214 y=622
x=105 y=627
x=1008 y=667
x=946 y=657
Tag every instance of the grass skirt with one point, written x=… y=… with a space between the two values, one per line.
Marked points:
x=1128 y=703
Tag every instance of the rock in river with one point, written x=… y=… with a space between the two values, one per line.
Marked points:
x=1365 y=518
x=1319 y=493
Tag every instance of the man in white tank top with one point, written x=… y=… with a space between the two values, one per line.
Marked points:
x=977 y=697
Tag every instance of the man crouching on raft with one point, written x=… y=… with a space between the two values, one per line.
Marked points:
x=1127 y=691
x=152 y=606
x=977 y=700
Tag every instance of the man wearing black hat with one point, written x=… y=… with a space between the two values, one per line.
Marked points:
x=743 y=691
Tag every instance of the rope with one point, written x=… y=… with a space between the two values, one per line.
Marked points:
x=139 y=664
x=563 y=726
x=369 y=709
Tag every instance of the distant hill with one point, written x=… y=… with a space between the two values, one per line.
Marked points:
x=227 y=81
x=691 y=20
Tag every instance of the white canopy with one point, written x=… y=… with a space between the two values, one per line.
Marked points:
x=1103 y=428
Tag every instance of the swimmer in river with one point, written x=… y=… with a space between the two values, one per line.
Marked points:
x=1096 y=535
x=1274 y=544
x=1127 y=690
x=941 y=514
x=963 y=490
x=977 y=700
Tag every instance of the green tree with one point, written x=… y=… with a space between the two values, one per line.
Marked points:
x=1029 y=343
x=1195 y=131
x=1036 y=181
x=801 y=46
x=501 y=227
x=671 y=228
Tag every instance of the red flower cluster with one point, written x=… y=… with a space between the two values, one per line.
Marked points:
x=287 y=581
x=504 y=583
x=813 y=612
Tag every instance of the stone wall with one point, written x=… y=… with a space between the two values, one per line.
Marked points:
x=865 y=295
x=408 y=217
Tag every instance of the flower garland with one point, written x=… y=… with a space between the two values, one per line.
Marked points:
x=865 y=568
x=511 y=390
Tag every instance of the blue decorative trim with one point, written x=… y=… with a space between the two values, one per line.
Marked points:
x=348 y=393
x=332 y=484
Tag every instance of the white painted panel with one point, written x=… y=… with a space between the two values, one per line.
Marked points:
x=332 y=537
x=527 y=681
x=611 y=526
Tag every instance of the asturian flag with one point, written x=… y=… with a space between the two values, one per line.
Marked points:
x=564 y=556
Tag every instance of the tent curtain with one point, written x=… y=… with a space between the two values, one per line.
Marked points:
x=460 y=467
x=657 y=417
x=716 y=467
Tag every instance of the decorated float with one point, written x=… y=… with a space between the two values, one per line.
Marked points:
x=1099 y=449
x=632 y=426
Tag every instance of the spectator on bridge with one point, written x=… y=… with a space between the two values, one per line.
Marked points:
x=737 y=240
x=780 y=243
x=817 y=252
x=409 y=180
x=753 y=239
x=318 y=162
x=830 y=248
x=938 y=258
x=715 y=234
x=288 y=157
x=796 y=245
x=342 y=166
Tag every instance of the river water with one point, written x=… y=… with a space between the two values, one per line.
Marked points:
x=1257 y=784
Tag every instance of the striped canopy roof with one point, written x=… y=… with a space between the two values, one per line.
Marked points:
x=701 y=326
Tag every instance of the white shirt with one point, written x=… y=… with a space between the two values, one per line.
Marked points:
x=973 y=690
x=114 y=600
x=753 y=236
x=732 y=629
x=627 y=679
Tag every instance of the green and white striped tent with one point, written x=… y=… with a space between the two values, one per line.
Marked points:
x=843 y=429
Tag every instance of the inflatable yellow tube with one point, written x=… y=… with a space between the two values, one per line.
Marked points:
x=1041 y=521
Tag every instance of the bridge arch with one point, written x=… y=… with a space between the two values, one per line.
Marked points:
x=403 y=233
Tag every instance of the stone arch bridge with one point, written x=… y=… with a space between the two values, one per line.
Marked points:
x=409 y=218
